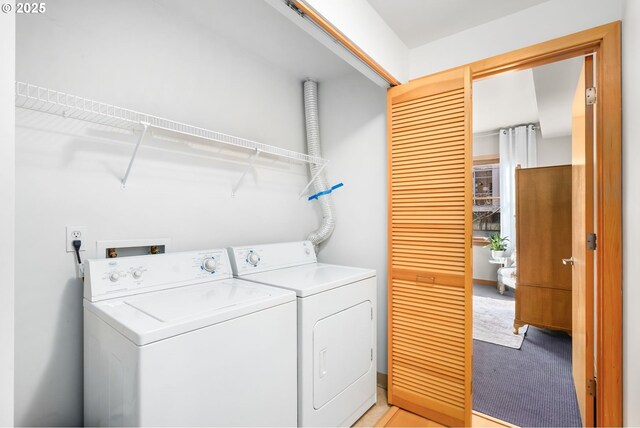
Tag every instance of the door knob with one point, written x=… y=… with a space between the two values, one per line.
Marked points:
x=569 y=261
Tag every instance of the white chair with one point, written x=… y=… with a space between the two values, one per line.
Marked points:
x=507 y=275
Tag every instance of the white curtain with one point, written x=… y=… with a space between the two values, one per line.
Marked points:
x=517 y=147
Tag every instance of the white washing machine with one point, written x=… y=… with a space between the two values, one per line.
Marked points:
x=173 y=340
x=336 y=328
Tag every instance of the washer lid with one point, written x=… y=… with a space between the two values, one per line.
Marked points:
x=158 y=315
x=310 y=279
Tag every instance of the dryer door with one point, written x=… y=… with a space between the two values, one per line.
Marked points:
x=342 y=351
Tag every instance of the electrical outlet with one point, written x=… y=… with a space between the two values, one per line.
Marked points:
x=77 y=233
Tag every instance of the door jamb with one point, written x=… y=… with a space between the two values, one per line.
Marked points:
x=604 y=41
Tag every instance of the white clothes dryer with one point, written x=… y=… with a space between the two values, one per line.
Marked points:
x=336 y=328
x=173 y=340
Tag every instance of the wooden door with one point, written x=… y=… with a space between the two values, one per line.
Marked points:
x=430 y=278
x=583 y=223
x=544 y=233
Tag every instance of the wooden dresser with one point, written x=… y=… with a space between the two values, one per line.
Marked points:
x=543 y=228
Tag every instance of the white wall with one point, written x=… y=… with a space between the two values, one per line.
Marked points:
x=551 y=151
x=7 y=212
x=631 y=210
x=67 y=173
x=353 y=132
x=546 y=21
x=482 y=269
x=486 y=144
x=360 y=22
x=554 y=151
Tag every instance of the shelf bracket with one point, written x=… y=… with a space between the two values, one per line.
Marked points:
x=312 y=180
x=252 y=159
x=135 y=152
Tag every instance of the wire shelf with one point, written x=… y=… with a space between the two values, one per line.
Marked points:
x=46 y=100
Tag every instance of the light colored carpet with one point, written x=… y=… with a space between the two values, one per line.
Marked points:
x=493 y=318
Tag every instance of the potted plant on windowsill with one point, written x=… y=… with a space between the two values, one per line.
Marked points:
x=498 y=245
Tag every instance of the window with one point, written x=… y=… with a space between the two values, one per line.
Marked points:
x=486 y=198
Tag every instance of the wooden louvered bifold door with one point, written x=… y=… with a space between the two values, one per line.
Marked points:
x=430 y=285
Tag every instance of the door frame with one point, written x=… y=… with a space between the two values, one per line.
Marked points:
x=604 y=41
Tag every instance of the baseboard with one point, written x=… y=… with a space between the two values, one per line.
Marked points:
x=387 y=417
x=491 y=421
x=382 y=380
x=485 y=282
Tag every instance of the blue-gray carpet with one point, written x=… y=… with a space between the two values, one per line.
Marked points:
x=529 y=387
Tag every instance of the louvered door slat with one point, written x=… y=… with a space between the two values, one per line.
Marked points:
x=430 y=247
x=447 y=131
x=427 y=101
x=433 y=141
x=434 y=144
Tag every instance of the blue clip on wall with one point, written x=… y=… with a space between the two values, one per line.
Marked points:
x=326 y=192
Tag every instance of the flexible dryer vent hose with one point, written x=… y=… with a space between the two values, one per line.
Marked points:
x=313 y=148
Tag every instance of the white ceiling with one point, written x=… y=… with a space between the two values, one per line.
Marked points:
x=257 y=27
x=555 y=89
x=417 y=22
x=505 y=100
x=542 y=94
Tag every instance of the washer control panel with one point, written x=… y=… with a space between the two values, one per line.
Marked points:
x=261 y=258
x=110 y=278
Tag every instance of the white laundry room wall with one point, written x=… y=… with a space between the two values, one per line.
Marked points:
x=7 y=214
x=142 y=56
x=353 y=134
x=630 y=210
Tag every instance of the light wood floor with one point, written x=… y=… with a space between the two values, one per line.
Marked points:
x=396 y=417
x=374 y=414
x=383 y=415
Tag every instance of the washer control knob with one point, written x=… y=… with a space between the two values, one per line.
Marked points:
x=137 y=274
x=209 y=264
x=253 y=258
x=114 y=276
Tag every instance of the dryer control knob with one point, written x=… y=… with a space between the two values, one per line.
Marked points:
x=253 y=258
x=136 y=274
x=209 y=264
x=114 y=276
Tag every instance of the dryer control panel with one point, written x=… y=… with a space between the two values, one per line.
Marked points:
x=110 y=278
x=260 y=258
